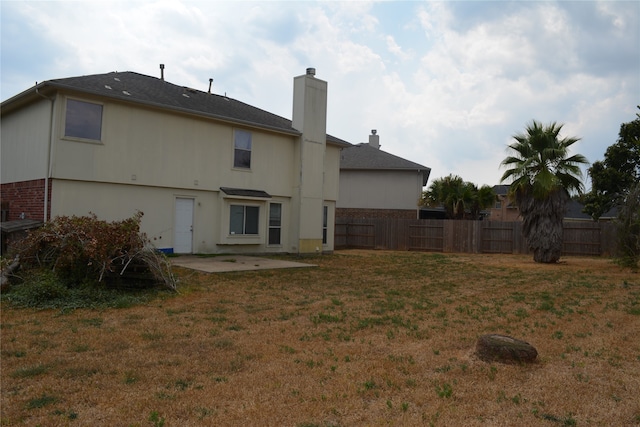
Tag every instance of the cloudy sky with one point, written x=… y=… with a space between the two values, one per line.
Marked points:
x=445 y=84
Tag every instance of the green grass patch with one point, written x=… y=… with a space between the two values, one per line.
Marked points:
x=41 y=402
x=44 y=290
x=30 y=371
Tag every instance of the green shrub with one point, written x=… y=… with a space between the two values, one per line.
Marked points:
x=42 y=287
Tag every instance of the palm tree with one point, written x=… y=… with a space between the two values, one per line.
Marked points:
x=460 y=199
x=542 y=177
x=449 y=192
x=483 y=197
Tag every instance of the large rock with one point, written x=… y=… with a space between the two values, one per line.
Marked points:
x=504 y=349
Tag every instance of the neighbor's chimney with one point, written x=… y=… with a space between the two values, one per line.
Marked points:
x=210 y=83
x=162 y=72
x=374 y=139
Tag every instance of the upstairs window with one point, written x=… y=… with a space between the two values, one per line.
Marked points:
x=242 y=149
x=244 y=219
x=83 y=120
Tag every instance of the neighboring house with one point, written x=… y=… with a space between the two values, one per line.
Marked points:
x=574 y=213
x=210 y=173
x=504 y=209
x=376 y=184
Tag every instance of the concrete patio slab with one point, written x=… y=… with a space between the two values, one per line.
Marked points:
x=225 y=263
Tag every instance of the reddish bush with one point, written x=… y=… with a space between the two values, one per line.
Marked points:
x=84 y=249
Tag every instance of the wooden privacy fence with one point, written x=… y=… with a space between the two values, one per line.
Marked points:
x=579 y=238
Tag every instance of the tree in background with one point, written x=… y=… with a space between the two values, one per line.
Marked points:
x=483 y=198
x=613 y=177
x=542 y=176
x=628 y=222
x=460 y=199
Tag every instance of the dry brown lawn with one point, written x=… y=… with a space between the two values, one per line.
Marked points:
x=364 y=339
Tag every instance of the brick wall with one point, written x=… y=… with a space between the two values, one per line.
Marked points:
x=25 y=197
x=346 y=213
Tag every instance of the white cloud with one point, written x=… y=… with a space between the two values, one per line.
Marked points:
x=446 y=86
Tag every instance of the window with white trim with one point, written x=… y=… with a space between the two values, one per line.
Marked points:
x=241 y=149
x=275 y=223
x=83 y=120
x=244 y=219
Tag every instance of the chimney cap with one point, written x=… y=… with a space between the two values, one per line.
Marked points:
x=373 y=131
x=311 y=71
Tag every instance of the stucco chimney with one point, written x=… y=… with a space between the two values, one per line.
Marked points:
x=374 y=139
x=310 y=106
x=310 y=119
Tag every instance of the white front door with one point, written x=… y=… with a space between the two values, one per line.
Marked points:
x=183 y=230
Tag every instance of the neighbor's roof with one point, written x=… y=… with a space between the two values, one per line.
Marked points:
x=574 y=211
x=365 y=157
x=501 y=190
x=152 y=91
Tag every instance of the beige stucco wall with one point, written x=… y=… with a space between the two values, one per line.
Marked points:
x=379 y=189
x=153 y=148
x=332 y=173
x=147 y=158
x=24 y=142
x=114 y=202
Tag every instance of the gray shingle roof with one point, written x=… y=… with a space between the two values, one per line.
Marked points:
x=365 y=157
x=501 y=190
x=574 y=211
x=138 y=88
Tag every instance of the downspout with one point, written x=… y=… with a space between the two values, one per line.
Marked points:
x=49 y=155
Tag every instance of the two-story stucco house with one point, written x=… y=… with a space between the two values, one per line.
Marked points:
x=210 y=174
x=377 y=184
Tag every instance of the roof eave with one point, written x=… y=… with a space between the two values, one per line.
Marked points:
x=47 y=87
x=181 y=110
x=40 y=90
